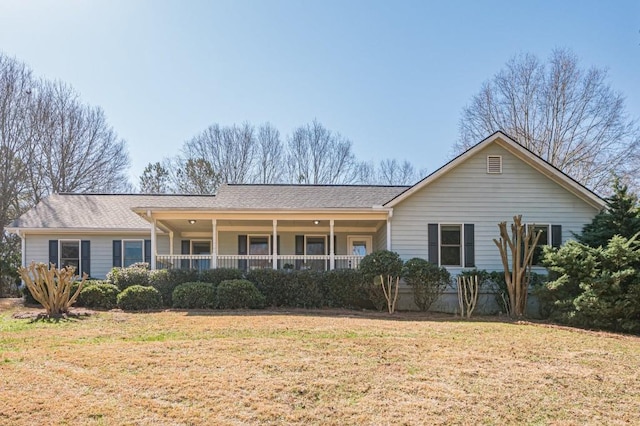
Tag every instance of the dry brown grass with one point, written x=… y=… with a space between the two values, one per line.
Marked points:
x=311 y=367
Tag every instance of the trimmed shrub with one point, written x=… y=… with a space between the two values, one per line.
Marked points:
x=235 y=294
x=166 y=280
x=216 y=276
x=278 y=287
x=197 y=295
x=383 y=268
x=126 y=277
x=427 y=280
x=98 y=295
x=346 y=288
x=139 y=298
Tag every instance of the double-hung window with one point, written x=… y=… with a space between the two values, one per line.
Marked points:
x=451 y=245
x=70 y=254
x=544 y=240
x=132 y=252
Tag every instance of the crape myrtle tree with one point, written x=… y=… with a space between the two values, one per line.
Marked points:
x=567 y=114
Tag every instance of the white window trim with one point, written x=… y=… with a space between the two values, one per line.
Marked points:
x=540 y=225
x=79 y=271
x=131 y=240
x=199 y=241
x=249 y=236
x=326 y=248
x=367 y=238
x=461 y=225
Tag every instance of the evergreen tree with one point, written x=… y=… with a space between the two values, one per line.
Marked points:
x=621 y=216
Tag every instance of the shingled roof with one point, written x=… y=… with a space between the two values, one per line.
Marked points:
x=116 y=212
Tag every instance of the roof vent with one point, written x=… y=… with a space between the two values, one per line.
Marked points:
x=494 y=164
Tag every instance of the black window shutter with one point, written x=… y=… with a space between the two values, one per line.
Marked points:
x=117 y=253
x=556 y=235
x=469 y=247
x=335 y=244
x=299 y=244
x=299 y=250
x=85 y=261
x=185 y=248
x=147 y=251
x=433 y=243
x=242 y=250
x=53 y=252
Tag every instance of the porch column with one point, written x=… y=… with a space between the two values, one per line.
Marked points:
x=274 y=243
x=214 y=243
x=171 y=243
x=154 y=243
x=332 y=249
x=389 y=234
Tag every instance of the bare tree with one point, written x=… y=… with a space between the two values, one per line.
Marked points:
x=319 y=156
x=78 y=150
x=270 y=158
x=568 y=115
x=392 y=172
x=155 y=179
x=16 y=84
x=229 y=150
x=196 y=176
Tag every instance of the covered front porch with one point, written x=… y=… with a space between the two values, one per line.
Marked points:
x=247 y=241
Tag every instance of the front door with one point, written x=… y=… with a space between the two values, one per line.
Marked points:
x=201 y=248
x=359 y=245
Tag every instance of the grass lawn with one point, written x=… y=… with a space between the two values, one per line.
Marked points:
x=311 y=367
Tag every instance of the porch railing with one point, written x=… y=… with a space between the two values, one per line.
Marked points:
x=250 y=262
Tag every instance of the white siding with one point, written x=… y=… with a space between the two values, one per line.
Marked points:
x=468 y=194
x=380 y=239
x=37 y=248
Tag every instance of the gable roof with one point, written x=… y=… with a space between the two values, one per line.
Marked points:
x=120 y=211
x=518 y=151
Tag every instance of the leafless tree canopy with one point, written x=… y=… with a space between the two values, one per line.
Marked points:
x=51 y=142
x=568 y=115
x=155 y=179
x=319 y=156
x=270 y=156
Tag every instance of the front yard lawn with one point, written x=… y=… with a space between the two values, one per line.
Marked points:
x=312 y=367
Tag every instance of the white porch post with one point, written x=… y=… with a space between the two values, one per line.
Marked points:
x=332 y=249
x=214 y=243
x=154 y=244
x=389 y=233
x=171 y=243
x=274 y=243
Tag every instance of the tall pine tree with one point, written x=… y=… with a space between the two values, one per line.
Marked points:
x=621 y=216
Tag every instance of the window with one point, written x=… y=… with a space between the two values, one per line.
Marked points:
x=70 y=254
x=542 y=241
x=316 y=245
x=259 y=245
x=132 y=252
x=451 y=245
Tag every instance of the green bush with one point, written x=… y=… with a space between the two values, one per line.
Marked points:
x=139 y=298
x=166 y=280
x=216 y=276
x=235 y=294
x=278 y=287
x=98 y=295
x=197 y=295
x=346 y=288
x=596 y=287
x=126 y=277
x=427 y=280
x=382 y=269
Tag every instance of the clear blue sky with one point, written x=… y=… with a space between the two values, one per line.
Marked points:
x=391 y=76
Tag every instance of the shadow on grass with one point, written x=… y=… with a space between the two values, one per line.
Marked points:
x=401 y=316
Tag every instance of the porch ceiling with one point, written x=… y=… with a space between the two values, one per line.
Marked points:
x=206 y=226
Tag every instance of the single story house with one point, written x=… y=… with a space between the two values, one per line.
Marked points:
x=449 y=218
